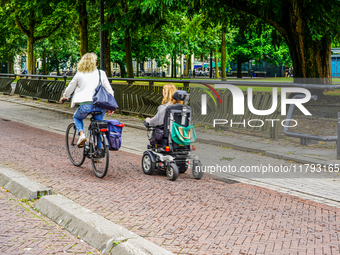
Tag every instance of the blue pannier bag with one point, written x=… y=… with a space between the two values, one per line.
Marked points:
x=114 y=134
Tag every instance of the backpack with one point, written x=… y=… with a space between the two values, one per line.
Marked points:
x=114 y=134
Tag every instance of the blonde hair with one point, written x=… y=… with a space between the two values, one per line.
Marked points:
x=169 y=91
x=88 y=63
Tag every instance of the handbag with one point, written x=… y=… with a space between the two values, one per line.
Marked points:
x=183 y=135
x=102 y=98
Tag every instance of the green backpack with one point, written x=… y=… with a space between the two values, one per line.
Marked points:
x=183 y=135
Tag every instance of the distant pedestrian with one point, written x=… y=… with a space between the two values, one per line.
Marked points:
x=194 y=73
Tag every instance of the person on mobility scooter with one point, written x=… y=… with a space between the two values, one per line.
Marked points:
x=170 y=144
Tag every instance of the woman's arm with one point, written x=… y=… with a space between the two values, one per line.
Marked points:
x=106 y=83
x=158 y=119
x=71 y=86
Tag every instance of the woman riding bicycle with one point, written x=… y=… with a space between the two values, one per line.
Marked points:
x=83 y=85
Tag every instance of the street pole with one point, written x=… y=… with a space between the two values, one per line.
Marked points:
x=180 y=49
x=210 y=65
x=102 y=49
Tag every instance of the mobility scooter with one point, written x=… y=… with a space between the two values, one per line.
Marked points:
x=170 y=145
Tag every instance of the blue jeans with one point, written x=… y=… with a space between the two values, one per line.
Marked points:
x=82 y=112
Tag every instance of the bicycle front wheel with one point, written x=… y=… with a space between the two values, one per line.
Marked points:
x=100 y=160
x=75 y=153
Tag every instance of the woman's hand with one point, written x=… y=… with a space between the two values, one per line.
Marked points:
x=147 y=120
x=63 y=99
x=111 y=112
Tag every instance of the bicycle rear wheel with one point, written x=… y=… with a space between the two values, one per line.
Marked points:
x=75 y=153
x=100 y=160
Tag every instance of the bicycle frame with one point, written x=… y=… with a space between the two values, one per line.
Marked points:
x=96 y=135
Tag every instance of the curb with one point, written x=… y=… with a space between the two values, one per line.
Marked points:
x=97 y=231
x=241 y=146
x=94 y=229
x=22 y=186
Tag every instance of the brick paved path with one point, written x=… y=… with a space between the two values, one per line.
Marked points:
x=25 y=231
x=186 y=216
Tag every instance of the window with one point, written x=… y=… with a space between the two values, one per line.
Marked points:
x=149 y=63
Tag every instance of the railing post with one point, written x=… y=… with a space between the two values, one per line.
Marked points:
x=338 y=140
x=186 y=86
x=151 y=86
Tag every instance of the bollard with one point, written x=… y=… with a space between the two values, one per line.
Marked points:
x=338 y=140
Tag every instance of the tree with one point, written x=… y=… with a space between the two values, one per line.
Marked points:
x=12 y=42
x=83 y=27
x=37 y=20
x=59 y=51
x=308 y=28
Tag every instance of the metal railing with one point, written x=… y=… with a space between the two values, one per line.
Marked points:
x=6 y=83
x=143 y=100
x=305 y=139
x=36 y=86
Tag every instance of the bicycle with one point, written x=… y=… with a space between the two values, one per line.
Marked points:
x=96 y=149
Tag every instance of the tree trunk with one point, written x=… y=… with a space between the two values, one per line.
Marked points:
x=189 y=64
x=30 y=42
x=210 y=73
x=83 y=21
x=239 y=68
x=107 y=53
x=34 y=65
x=122 y=69
x=44 y=62
x=224 y=54
x=311 y=59
x=172 y=66
x=175 y=66
x=10 y=66
x=186 y=71
x=217 y=74
x=137 y=67
x=128 y=53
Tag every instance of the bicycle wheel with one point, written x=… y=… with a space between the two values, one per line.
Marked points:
x=75 y=153
x=100 y=160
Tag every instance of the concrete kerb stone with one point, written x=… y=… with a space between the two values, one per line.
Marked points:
x=22 y=186
x=97 y=231
x=94 y=229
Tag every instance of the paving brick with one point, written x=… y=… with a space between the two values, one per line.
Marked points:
x=204 y=217
x=32 y=233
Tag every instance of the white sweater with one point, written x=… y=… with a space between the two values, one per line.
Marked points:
x=84 y=86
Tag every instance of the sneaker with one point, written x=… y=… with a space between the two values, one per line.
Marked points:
x=81 y=140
